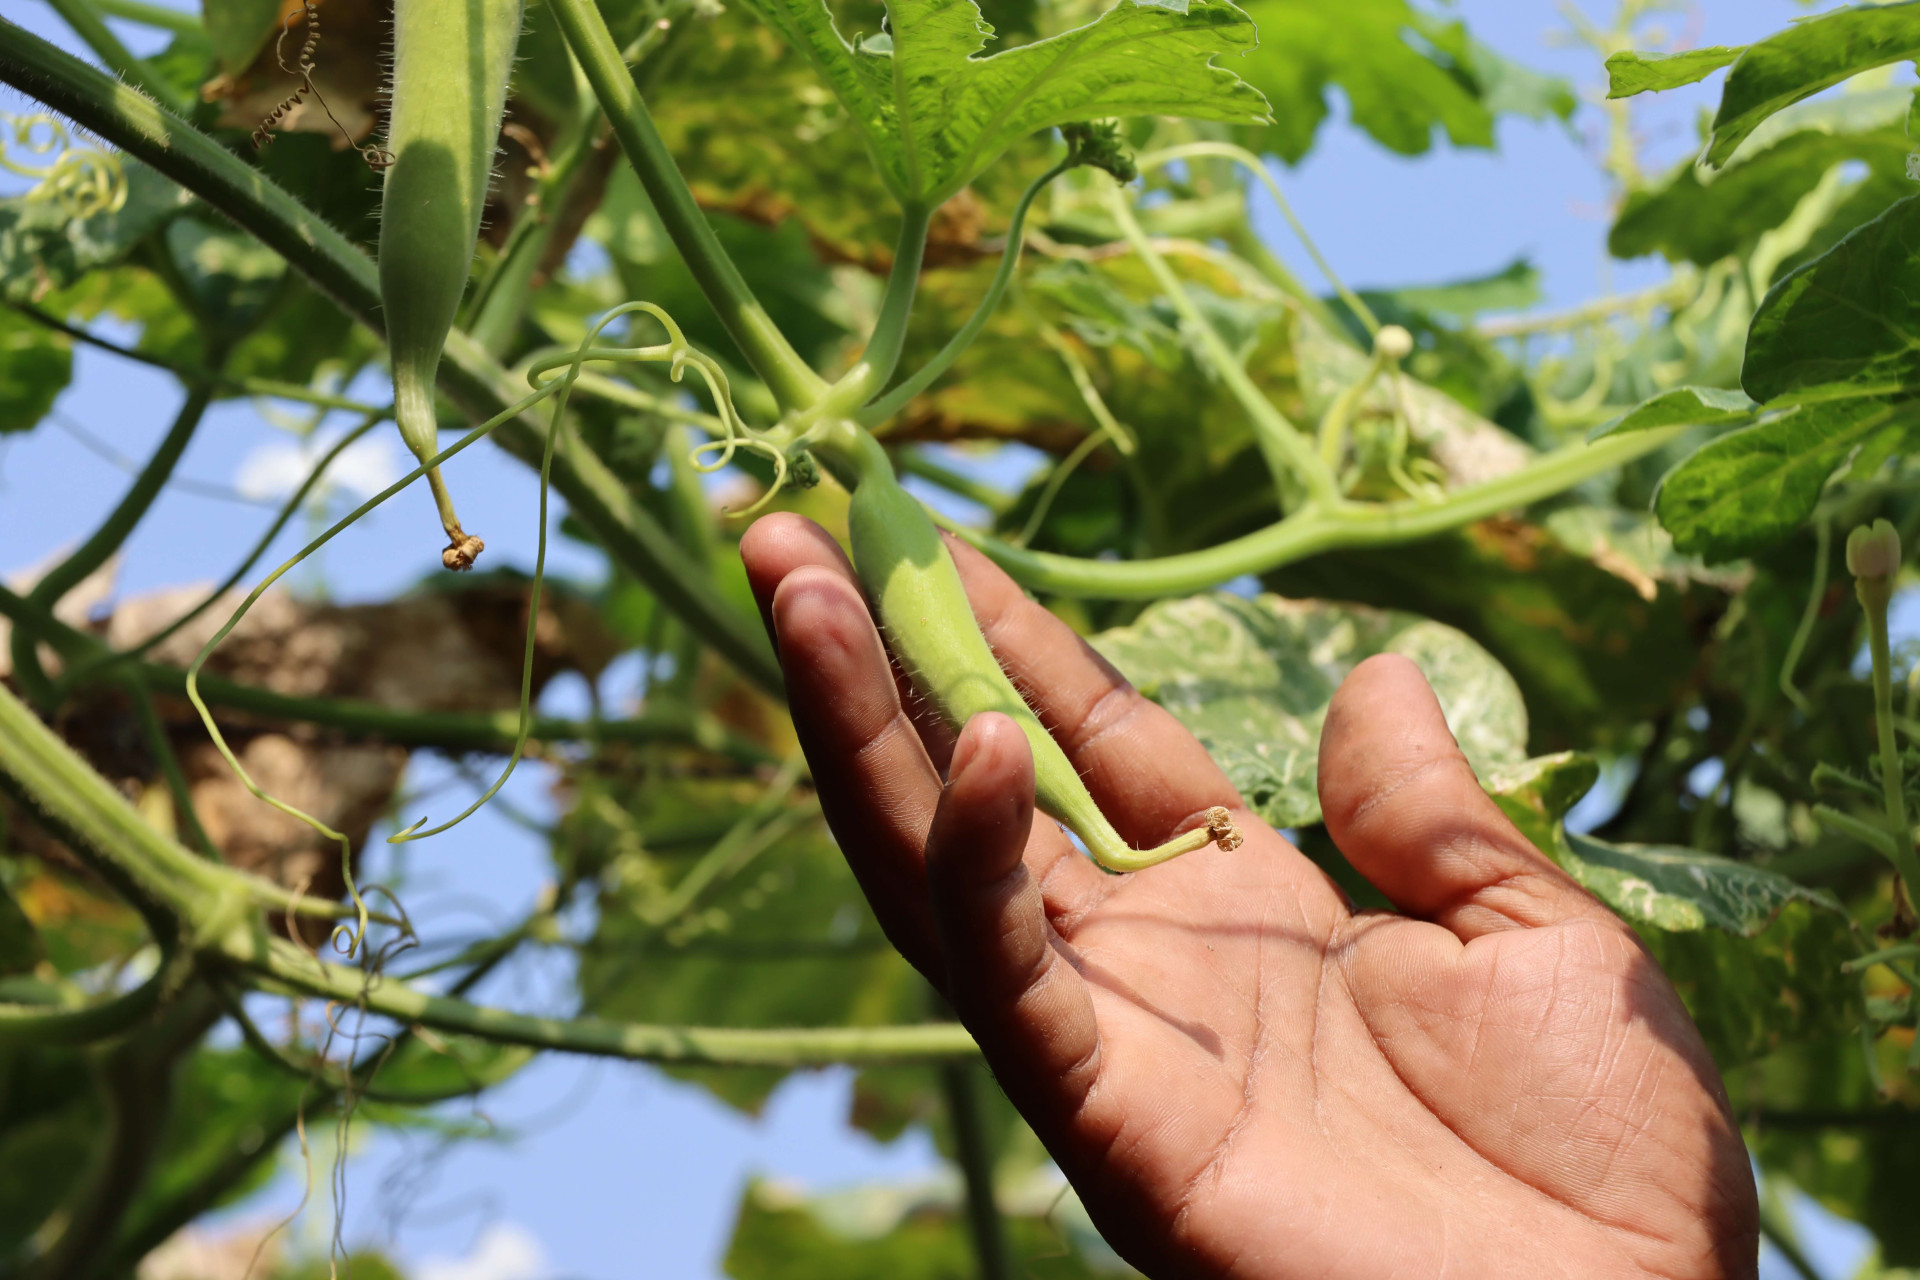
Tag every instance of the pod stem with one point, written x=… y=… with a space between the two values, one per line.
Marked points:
x=1219 y=829
x=462 y=548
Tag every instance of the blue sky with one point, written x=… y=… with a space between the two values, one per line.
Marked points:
x=615 y=1170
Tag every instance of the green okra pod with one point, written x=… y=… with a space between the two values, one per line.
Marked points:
x=923 y=609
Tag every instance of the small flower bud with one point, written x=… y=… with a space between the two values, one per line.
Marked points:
x=1873 y=551
x=1393 y=342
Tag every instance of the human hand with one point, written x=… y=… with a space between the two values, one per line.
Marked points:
x=1241 y=1075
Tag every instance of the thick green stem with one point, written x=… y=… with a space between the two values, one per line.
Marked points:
x=1296 y=465
x=113 y=532
x=166 y=883
x=1312 y=531
x=895 y=400
x=152 y=15
x=279 y=965
x=889 y=336
x=41 y=1025
x=759 y=339
x=959 y=1081
x=595 y=496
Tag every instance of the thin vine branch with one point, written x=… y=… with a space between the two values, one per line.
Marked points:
x=766 y=348
x=279 y=966
x=1310 y=532
x=897 y=399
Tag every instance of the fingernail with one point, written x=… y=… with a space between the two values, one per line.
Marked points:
x=964 y=749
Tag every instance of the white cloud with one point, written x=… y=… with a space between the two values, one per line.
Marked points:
x=275 y=470
x=504 y=1251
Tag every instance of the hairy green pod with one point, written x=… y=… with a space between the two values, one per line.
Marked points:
x=923 y=608
x=451 y=60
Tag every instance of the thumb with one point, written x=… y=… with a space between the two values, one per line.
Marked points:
x=1404 y=806
x=1008 y=975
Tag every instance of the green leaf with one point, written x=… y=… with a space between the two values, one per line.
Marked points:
x=1805 y=58
x=1252 y=680
x=1683 y=890
x=935 y=113
x=1585 y=611
x=228 y=1104
x=1535 y=794
x=1752 y=487
x=50 y=1125
x=1505 y=88
x=1629 y=73
x=1683 y=406
x=230 y=276
x=1756 y=956
x=1700 y=217
x=1846 y=318
x=239 y=29
x=1404 y=75
x=1835 y=333
x=35 y=366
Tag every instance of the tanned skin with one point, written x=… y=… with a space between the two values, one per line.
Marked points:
x=1242 y=1075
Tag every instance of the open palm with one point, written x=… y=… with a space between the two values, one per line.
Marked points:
x=1241 y=1075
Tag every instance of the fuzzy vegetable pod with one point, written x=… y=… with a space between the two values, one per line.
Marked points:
x=924 y=611
x=451 y=61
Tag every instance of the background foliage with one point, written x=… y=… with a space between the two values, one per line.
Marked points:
x=1678 y=625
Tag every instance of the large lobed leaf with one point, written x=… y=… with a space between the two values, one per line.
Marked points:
x=1792 y=65
x=935 y=113
x=1253 y=678
x=1404 y=74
